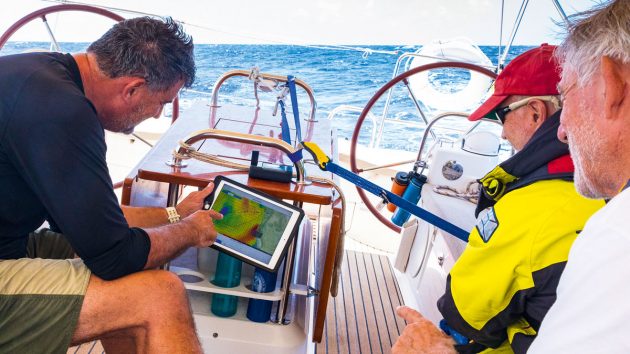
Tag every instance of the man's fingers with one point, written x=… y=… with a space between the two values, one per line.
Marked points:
x=206 y=191
x=408 y=314
x=215 y=215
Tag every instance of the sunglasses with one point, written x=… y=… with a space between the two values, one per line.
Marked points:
x=500 y=113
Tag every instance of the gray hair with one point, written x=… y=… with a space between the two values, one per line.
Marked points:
x=157 y=50
x=601 y=31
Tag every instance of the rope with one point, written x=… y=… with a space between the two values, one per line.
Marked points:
x=254 y=75
x=366 y=51
x=192 y=153
x=470 y=194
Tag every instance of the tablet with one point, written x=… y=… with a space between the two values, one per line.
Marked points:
x=256 y=227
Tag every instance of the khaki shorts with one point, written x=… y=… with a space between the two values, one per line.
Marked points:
x=40 y=299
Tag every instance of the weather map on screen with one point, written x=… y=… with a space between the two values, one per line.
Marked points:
x=248 y=220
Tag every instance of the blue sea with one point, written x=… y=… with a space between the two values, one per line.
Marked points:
x=338 y=77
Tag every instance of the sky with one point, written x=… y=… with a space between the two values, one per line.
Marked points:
x=355 y=22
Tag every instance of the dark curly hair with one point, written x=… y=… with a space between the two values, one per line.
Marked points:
x=157 y=50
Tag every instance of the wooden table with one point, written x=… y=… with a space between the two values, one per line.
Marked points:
x=149 y=183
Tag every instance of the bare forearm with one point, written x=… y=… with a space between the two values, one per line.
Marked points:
x=151 y=217
x=145 y=216
x=196 y=228
x=169 y=241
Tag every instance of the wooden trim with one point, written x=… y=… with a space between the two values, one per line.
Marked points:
x=125 y=197
x=327 y=274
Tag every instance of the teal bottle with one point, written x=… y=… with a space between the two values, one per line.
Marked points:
x=412 y=195
x=227 y=275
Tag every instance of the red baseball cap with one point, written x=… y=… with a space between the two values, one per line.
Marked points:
x=533 y=73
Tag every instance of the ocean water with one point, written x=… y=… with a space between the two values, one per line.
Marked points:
x=337 y=77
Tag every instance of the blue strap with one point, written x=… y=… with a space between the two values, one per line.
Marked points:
x=457 y=337
x=296 y=156
x=397 y=200
x=294 y=105
x=286 y=133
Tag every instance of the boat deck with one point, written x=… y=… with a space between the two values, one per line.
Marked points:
x=88 y=348
x=362 y=318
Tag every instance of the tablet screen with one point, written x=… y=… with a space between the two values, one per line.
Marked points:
x=255 y=226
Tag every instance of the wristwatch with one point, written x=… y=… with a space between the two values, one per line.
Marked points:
x=173 y=216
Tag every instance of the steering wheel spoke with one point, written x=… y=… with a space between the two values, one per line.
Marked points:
x=53 y=41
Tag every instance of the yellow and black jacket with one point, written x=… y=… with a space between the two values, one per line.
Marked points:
x=528 y=216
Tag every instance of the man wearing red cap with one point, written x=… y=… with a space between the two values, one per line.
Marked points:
x=528 y=215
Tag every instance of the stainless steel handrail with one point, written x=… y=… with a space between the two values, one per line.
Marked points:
x=266 y=76
x=429 y=127
x=206 y=134
x=439 y=117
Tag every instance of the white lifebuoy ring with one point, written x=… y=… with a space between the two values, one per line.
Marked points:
x=458 y=49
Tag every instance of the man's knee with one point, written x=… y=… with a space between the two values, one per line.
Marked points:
x=138 y=299
x=145 y=290
x=166 y=287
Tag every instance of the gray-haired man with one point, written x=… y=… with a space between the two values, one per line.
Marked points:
x=592 y=309
x=53 y=110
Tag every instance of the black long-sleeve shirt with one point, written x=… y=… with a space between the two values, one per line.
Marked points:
x=52 y=166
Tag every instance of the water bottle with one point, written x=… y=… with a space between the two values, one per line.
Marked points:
x=262 y=282
x=412 y=195
x=227 y=275
x=400 y=183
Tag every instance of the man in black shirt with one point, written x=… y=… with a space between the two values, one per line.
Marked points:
x=53 y=112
